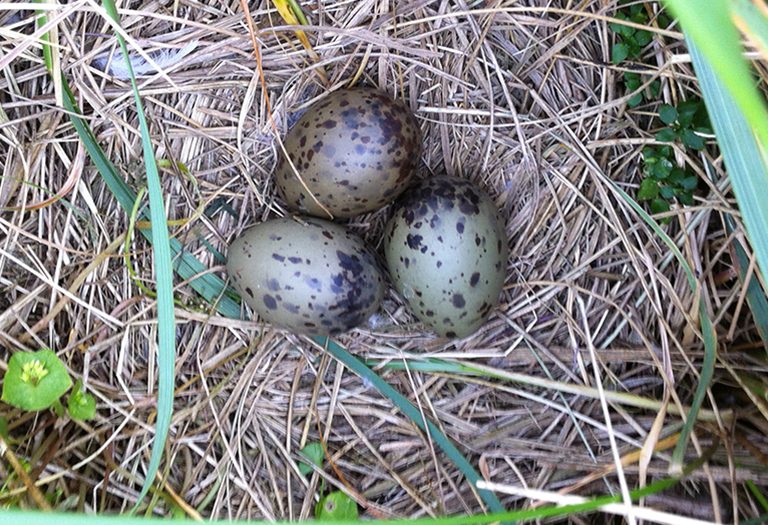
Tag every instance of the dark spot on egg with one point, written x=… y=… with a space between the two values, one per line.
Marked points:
x=269 y=302
x=458 y=300
x=414 y=241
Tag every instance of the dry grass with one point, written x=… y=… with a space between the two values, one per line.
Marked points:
x=516 y=95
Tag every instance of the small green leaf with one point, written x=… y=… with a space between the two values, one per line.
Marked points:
x=689 y=183
x=659 y=206
x=81 y=405
x=621 y=29
x=650 y=155
x=667 y=114
x=649 y=189
x=685 y=197
x=643 y=38
x=635 y=50
x=687 y=110
x=638 y=14
x=336 y=506
x=655 y=89
x=692 y=140
x=619 y=52
x=676 y=175
x=35 y=380
x=632 y=77
x=666 y=135
x=313 y=452
x=635 y=101
x=667 y=192
x=4 y=428
x=661 y=169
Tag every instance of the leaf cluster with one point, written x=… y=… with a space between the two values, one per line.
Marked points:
x=663 y=181
x=630 y=44
x=36 y=381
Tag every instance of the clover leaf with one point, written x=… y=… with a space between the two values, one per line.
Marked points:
x=81 y=404
x=35 y=380
x=336 y=506
x=313 y=452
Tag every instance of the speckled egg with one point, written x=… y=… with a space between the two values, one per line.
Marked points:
x=446 y=251
x=355 y=150
x=311 y=277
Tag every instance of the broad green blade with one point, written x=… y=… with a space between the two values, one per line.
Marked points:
x=727 y=83
x=42 y=518
x=166 y=318
x=709 y=24
x=756 y=298
x=753 y=22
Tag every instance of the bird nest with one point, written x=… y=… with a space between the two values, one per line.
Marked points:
x=594 y=352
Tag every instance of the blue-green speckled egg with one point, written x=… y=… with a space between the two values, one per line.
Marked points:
x=446 y=251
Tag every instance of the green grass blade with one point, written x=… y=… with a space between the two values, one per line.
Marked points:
x=166 y=322
x=708 y=334
x=754 y=22
x=760 y=520
x=434 y=365
x=210 y=286
x=757 y=494
x=413 y=413
x=41 y=518
x=747 y=171
x=756 y=298
x=726 y=82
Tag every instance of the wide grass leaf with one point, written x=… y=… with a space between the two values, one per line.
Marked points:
x=709 y=25
x=166 y=323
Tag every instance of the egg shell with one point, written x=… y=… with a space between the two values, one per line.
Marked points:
x=446 y=252
x=311 y=277
x=356 y=150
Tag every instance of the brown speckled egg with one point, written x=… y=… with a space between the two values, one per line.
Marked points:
x=355 y=150
x=446 y=251
x=311 y=277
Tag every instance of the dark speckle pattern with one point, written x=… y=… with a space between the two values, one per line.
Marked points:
x=370 y=144
x=447 y=237
x=333 y=290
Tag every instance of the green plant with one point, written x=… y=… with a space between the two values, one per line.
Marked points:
x=314 y=454
x=36 y=381
x=663 y=181
x=684 y=123
x=630 y=44
x=633 y=82
x=630 y=41
x=336 y=506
